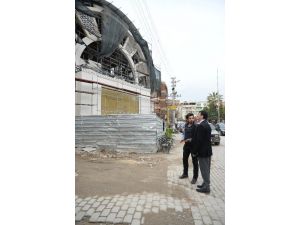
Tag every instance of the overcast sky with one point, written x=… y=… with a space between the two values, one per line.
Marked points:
x=191 y=34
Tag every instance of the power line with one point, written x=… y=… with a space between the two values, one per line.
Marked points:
x=150 y=25
x=146 y=25
x=156 y=33
x=140 y=18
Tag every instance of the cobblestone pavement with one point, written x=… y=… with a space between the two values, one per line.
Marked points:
x=131 y=209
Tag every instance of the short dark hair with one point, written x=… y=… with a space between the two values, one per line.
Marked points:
x=188 y=115
x=204 y=114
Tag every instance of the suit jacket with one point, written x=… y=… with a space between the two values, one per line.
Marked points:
x=201 y=140
x=189 y=133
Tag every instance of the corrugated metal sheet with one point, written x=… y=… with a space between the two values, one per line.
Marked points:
x=126 y=132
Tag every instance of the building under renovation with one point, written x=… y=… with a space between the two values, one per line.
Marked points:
x=116 y=82
x=114 y=73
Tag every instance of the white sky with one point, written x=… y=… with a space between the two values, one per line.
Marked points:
x=191 y=34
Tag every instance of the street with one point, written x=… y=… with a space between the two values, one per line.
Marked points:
x=145 y=189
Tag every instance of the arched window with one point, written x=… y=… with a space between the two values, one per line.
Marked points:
x=115 y=65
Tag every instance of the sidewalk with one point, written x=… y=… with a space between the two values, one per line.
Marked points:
x=148 y=195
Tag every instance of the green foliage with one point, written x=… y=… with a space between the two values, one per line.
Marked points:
x=212 y=106
x=169 y=133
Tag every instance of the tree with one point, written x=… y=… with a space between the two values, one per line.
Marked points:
x=212 y=106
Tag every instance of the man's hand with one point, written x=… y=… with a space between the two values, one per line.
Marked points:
x=194 y=155
x=188 y=140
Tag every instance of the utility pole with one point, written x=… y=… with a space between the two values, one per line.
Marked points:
x=218 y=96
x=173 y=95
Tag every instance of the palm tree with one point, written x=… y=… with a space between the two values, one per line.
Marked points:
x=213 y=100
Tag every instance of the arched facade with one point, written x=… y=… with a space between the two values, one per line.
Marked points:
x=110 y=56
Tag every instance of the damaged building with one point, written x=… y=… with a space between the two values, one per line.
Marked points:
x=116 y=81
x=115 y=73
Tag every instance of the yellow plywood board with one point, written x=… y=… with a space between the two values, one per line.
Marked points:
x=116 y=102
x=172 y=107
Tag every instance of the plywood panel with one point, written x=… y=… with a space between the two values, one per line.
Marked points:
x=115 y=102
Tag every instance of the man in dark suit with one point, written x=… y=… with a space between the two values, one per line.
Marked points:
x=201 y=143
x=188 y=134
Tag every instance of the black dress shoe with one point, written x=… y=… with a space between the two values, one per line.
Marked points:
x=183 y=176
x=200 y=186
x=194 y=180
x=203 y=190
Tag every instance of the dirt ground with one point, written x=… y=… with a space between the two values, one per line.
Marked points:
x=104 y=174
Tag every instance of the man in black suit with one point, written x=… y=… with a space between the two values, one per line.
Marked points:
x=188 y=134
x=201 y=142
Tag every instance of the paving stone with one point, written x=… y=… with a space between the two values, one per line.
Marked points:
x=125 y=207
x=127 y=219
x=156 y=198
x=100 y=208
x=118 y=220
x=155 y=203
x=101 y=219
x=137 y=215
x=196 y=215
x=119 y=203
x=163 y=201
x=106 y=201
x=105 y=212
x=206 y=220
x=148 y=206
x=147 y=210
x=92 y=201
x=143 y=220
x=215 y=222
x=121 y=214
x=178 y=209
x=141 y=202
x=139 y=208
x=194 y=209
x=111 y=217
x=79 y=216
x=163 y=207
x=135 y=199
x=155 y=209
x=99 y=199
x=220 y=213
x=133 y=204
x=110 y=205
x=78 y=200
x=135 y=222
x=114 y=200
x=96 y=204
x=131 y=210
x=88 y=198
x=90 y=212
x=171 y=206
x=213 y=215
x=77 y=209
x=198 y=222
x=204 y=212
x=177 y=202
x=185 y=205
x=94 y=217
x=82 y=203
x=86 y=207
x=115 y=209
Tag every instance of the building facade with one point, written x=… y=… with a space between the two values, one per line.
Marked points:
x=114 y=70
x=190 y=107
